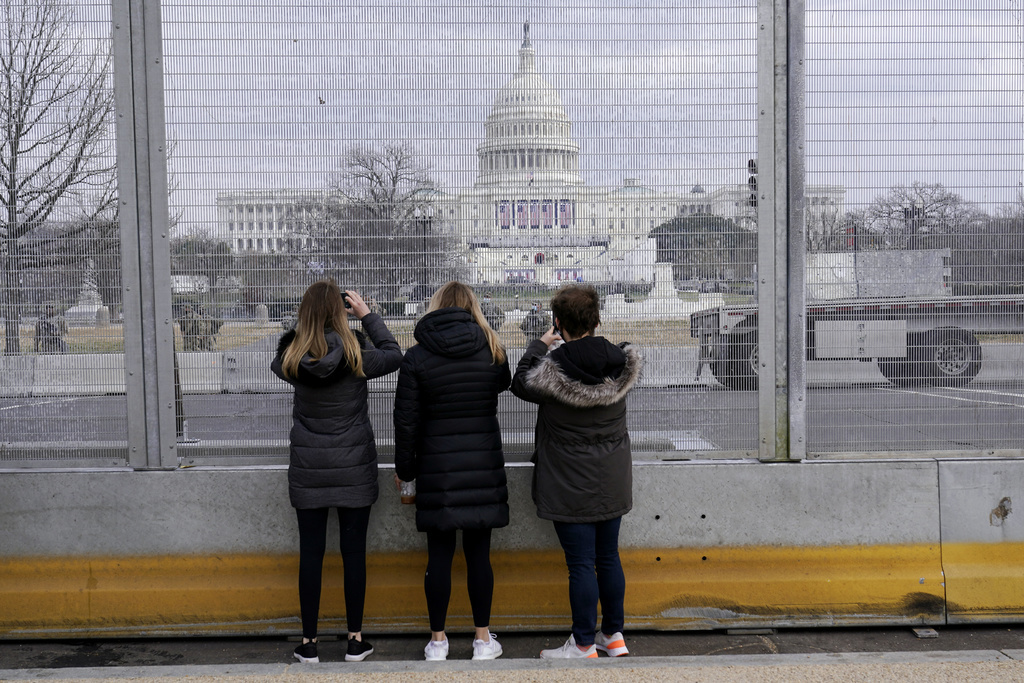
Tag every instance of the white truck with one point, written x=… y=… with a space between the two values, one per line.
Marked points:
x=893 y=308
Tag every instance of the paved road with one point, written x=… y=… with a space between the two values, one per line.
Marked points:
x=874 y=417
x=991 y=653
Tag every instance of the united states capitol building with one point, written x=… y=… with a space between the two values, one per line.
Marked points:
x=530 y=216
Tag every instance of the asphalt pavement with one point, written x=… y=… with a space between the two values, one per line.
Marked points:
x=958 y=654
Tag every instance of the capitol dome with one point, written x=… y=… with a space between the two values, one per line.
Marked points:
x=528 y=137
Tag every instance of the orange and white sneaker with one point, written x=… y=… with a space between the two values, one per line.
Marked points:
x=613 y=645
x=570 y=651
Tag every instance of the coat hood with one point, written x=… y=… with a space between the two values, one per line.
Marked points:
x=318 y=371
x=560 y=375
x=450 y=332
x=590 y=360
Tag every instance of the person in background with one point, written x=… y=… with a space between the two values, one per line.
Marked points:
x=289 y=321
x=333 y=457
x=495 y=316
x=189 y=323
x=448 y=440
x=535 y=322
x=50 y=331
x=583 y=476
x=208 y=327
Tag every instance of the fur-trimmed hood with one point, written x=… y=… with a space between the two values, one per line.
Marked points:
x=549 y=379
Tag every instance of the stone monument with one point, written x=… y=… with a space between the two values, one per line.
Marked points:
x=662 y=302
x=89 y=302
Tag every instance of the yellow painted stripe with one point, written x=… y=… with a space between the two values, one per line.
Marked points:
x=666 y=588
x=984 y=581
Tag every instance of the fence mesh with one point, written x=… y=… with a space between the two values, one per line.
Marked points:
x=916 y=111
x=394 y=148
x=517 y=147
x=60 y=255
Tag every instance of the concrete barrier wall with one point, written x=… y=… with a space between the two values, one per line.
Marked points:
x=249 y=372
x=982 y=508
x=707 y=545
x=693 y=504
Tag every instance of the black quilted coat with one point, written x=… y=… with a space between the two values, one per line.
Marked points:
x=447 y=436
x=583 y=465
x=333 y=459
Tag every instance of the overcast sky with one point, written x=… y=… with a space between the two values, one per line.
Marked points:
x=267 y=94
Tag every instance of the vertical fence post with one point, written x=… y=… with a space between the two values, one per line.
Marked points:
x=780 y=219
x=145 y=238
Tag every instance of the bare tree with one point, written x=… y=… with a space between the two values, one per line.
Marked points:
x=908 y=214
x=56 y=108
x=380 y=224
x=203 y=255
x=1015 y=209
x=824 y=227
x=383 y=183
x=706 y=247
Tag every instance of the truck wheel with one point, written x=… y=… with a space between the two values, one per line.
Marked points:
x=743 y=363
x=953 y=356
x=914 y=370
x=721 y=369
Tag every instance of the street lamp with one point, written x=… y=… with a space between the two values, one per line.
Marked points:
x=424 y=218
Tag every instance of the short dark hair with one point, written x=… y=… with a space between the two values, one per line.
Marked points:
x=578 y=309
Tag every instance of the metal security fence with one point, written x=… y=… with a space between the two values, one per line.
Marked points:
x=60 y=255
x=395 y=148
x=807 y=216
x=914 y=292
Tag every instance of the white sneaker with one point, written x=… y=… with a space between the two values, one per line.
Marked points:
x=436 y=650
x=570 y=651
x=613 y=645
x=487 y=649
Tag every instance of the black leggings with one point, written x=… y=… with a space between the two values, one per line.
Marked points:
x=437 y=584
x=313 y=544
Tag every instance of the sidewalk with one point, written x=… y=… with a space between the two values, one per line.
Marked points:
x=933 y=667
x=957 y=655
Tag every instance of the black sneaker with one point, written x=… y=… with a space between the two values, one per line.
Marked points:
x=358 y=650
x=306 y=653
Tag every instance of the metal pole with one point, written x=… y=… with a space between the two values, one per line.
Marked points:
x=781 y=240
x=145 y=239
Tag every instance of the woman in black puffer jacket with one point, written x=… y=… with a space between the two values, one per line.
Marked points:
x=448 y=440
x=333 y=458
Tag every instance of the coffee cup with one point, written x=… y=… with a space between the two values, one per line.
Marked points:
x=408 y=492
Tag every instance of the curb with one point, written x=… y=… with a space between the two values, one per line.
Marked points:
x=508 y=665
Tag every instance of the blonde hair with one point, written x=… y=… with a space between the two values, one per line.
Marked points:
x=462 y=296
x=322 y=308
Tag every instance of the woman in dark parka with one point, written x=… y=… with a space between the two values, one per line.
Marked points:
x=333 y=457
x=448 y=440
x=583 y=468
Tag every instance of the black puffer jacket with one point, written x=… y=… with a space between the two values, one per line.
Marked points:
x=583 y=467
x=333 y=455
x=447 y=436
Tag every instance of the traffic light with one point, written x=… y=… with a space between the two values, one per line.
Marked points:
x=752 y=182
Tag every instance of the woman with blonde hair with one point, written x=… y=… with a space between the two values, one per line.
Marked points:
x=448 y=440
x=333 y=457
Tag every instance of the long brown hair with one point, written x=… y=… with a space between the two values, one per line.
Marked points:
x=322 y=308
x=462 y=296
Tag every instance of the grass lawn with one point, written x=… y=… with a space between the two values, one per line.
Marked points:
x=233 y=335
